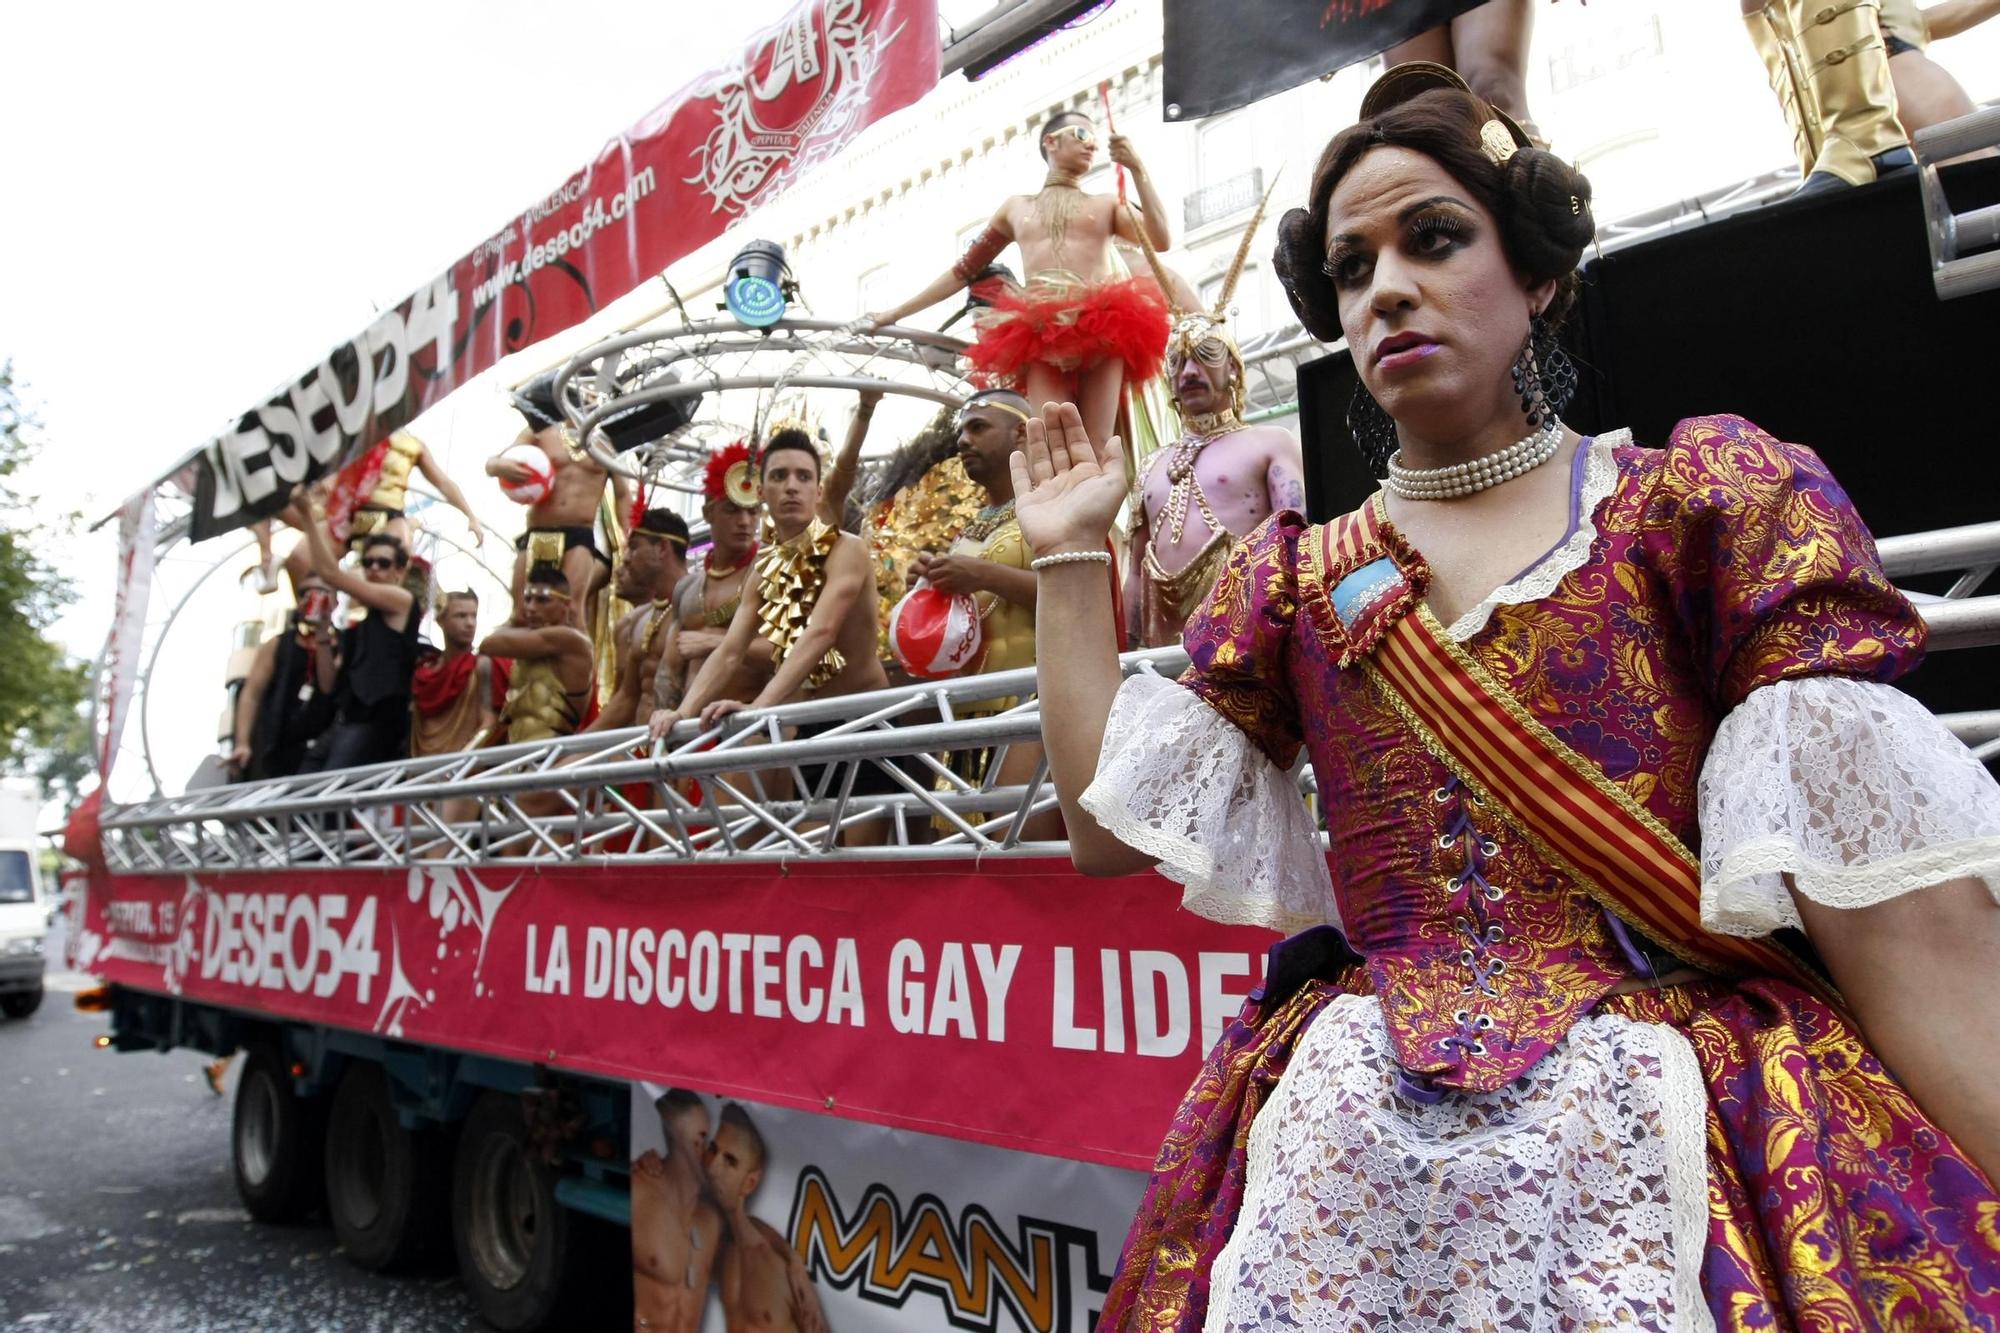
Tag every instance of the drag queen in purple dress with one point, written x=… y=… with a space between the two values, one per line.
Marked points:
x=1647 y=980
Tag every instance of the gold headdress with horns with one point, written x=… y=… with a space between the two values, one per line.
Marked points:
x=1204 y=334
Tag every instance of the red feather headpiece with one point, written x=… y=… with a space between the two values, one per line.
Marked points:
x=732 y=475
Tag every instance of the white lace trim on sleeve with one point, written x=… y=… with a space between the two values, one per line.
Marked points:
x=1178 y=781
x=1850 y=787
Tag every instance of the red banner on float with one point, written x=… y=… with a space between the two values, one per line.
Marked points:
x=1018 y=1004
x=728 y=142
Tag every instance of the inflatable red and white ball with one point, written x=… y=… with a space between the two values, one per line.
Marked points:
x=935 y=633
x=535 y=488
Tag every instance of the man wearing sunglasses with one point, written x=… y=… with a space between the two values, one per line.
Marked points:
x=1082 y=327
x=369 y=670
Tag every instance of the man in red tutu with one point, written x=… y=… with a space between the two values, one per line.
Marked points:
x=1079 y=330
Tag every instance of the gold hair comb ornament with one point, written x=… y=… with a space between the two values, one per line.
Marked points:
x=1496 y=142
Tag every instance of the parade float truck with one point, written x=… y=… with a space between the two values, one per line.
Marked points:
x=959 y=1054
x=930 y=1070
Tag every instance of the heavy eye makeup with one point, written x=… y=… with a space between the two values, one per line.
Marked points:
x=1433 y=233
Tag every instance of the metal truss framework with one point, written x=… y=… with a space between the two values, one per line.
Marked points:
x=736 y=793
x=664 y=363
x=747 y=792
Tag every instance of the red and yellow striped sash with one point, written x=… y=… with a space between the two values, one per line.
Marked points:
x=1616 y=848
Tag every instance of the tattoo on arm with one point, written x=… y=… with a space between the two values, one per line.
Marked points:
x=1287 y=491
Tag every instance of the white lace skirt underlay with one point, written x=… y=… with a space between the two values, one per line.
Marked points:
x=1178 y=781
x=1574 y=1197
x=1852 y=788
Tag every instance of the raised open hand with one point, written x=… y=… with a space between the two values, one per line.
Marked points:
x=1067 y=487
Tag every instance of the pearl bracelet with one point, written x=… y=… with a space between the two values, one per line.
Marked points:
x=1041 y=562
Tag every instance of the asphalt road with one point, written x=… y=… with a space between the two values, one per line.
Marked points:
x=118 y=1214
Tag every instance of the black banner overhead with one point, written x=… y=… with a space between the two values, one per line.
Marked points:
x=1220 y=56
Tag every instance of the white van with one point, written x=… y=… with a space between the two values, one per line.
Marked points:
x=24 y=908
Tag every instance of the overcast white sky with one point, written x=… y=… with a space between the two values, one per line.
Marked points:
x=201 y=200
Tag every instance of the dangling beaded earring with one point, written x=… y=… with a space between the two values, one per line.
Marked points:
x=1544 y=376
x=1557 y=371
x=1373 y=431
x=1528 y=381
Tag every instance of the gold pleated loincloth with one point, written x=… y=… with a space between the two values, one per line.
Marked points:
x=1181 y=593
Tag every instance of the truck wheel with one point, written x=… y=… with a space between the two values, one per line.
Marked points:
x=21 y=1003
x=386 y=1187
x=516 y=1245
x=274 y=1141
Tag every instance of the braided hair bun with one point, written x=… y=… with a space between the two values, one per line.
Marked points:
x=1547 y=224
x=1541 y=203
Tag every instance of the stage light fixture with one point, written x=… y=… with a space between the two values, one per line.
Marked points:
x=760 y=284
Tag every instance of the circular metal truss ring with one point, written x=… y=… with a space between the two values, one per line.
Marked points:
x=723 y=356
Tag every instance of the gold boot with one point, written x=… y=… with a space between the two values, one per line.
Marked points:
x=1830 y=70
x=1770 y=31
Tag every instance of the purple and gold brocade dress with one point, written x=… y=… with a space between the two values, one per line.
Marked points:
x=1441 y=1117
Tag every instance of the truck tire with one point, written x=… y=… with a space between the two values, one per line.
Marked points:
x=21 y=1003
x=275 y=1141
x=387 y=1191
x=518 y=1249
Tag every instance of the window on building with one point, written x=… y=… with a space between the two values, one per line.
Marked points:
x=1227 y=179
x=1607 y=49
x=1250 y=311
x=874 y=289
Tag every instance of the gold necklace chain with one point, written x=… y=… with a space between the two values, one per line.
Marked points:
x=988 y=521
x=1184 y=485
x=1056 y=205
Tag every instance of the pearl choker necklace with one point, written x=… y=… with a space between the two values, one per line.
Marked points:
x=1475 y=475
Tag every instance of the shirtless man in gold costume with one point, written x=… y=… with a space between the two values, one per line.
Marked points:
x=553 y=676
x=676 y=1228
x=562 y=526
x=811 y=597
x=655 y=563
x=706 y=600
x=382 y=510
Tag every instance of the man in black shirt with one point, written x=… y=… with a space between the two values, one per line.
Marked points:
x=280 y=708
x=370 y=682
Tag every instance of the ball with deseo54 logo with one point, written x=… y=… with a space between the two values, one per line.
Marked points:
x=935 y=633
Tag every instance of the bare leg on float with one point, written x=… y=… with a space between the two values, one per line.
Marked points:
x=267 y=568
x=298 y=564
x=1488 y=47
x=1927 y=94
x=1098 y=390
x=1917 y=974
x=581 y=568
x=516 y=587
x=1490 y=44
x=1045 y=384
x=1434 y=46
